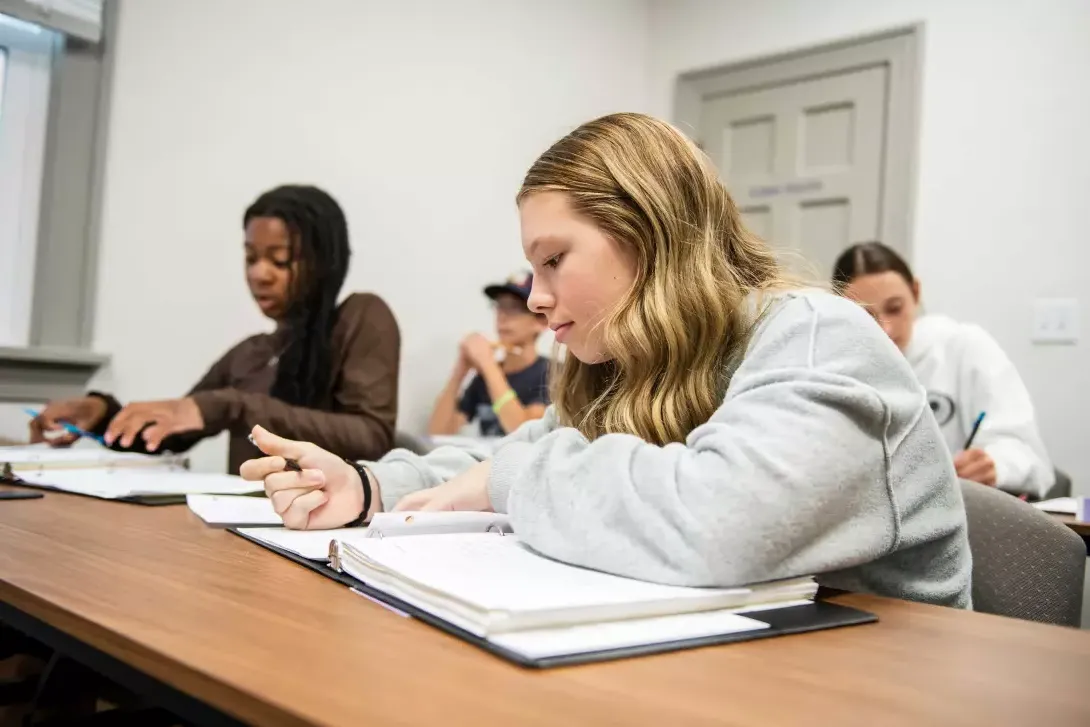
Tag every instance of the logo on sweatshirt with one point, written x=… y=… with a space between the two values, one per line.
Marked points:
x=942 y=406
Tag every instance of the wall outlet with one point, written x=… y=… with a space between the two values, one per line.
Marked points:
x=1056 y=320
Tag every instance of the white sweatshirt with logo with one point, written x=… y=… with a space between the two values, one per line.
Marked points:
x=965 y=372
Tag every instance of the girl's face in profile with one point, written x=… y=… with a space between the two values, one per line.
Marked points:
x=580 y=274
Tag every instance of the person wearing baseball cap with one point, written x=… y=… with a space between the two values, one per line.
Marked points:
x=510 y=385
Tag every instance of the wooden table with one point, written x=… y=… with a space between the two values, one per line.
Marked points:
x=216 y=626
x=1081 y=528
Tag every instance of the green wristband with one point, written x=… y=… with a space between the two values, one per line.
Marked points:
x=507 y=398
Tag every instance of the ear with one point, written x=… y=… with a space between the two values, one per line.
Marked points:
x=916 y=289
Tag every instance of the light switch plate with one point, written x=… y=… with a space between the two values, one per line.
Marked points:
x=1056 y=320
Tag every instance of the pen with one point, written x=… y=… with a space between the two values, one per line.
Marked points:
x=70 y=428
x=289 y=464
x=976 y=428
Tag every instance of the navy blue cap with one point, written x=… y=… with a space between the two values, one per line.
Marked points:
x=518 y=284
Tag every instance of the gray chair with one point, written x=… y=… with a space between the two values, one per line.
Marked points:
x=411 y=442
x=1025 y=564
x=1061 y=487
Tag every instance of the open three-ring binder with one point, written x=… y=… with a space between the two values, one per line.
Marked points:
x=109 y=475
x=479 y=582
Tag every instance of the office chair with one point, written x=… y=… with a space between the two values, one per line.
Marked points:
x=1061 y=487
x=1025 y=564
x=411 y=442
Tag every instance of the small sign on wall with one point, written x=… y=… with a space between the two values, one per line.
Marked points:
x=774 y=190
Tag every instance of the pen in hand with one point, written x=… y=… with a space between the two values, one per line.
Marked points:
x=70 y=428
x=975 y=429
x=289 y=464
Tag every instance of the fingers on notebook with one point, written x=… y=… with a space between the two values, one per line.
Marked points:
x=154 y=436
x=127 y=424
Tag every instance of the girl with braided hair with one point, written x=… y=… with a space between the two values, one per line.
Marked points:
x=328 y=372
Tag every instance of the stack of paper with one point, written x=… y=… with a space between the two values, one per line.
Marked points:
x=1062 y=505
x=233 y=510
x=138 y=483
x=98 y=472
x=498 y=589
x=38 y=458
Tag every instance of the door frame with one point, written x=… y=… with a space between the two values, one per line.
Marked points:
x=898 y=49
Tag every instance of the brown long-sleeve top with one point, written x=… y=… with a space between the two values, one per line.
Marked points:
x=357 y=420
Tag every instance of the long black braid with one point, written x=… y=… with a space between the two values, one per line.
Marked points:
x=319 y=235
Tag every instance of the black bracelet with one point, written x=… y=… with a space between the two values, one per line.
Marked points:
x=365 y=481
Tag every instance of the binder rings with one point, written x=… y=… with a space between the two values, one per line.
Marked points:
x=780 y=621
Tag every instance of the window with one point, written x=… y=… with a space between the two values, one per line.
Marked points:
x=26 y=59
x=54 y=82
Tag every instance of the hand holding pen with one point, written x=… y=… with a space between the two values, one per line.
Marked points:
x=290 y=465
x=975 y=464
x=62 y=422
x=309 y=487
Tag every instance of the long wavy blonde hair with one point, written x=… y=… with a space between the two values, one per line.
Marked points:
x=678 y=334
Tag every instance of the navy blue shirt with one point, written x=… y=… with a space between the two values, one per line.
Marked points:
x=530 y=385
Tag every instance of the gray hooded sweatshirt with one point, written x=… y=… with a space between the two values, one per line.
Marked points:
x=824 y=458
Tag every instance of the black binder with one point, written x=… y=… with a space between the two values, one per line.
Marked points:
x=782 y=621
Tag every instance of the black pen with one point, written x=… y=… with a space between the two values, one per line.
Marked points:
x=289 y=464
x=976 y=428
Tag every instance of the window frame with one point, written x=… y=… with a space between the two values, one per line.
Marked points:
x=57 y=360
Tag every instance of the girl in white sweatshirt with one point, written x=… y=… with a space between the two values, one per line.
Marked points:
x=713 y=424
x=963 y=369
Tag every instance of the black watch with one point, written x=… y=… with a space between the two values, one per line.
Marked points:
x=366 y=482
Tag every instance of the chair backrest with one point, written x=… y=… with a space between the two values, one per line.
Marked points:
x=1061 y=487
x=1025 y=564
x=411 y=442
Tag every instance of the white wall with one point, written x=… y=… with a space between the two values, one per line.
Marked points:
x=420 y=117
x=1004 y=160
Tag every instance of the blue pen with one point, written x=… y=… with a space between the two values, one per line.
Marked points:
x=71 y=428
x=976 y=428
